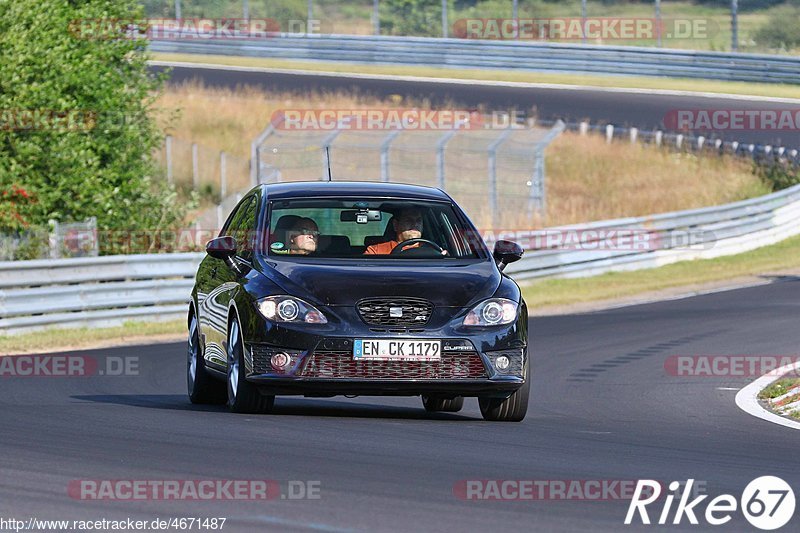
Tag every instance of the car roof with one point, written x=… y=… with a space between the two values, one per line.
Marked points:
x=353 y=189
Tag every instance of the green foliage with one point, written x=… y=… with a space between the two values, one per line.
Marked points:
x=782 y=29
x=778 y=175
x=87 y=150
x=421 y=18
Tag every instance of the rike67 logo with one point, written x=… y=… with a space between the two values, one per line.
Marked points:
x=767 y=503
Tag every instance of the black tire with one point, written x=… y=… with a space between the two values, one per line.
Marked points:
x=511 y=409
x=202 y=388
x=433 y=404
x=243 y=396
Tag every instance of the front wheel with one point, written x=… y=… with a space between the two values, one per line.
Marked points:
x=243 y=396
x=202 y=388
x=511 y=409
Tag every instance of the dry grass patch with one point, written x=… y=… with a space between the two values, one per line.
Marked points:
x=587 y=179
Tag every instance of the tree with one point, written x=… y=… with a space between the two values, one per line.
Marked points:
x=76 y=117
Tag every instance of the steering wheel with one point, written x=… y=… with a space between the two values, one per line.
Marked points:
x=399 y=248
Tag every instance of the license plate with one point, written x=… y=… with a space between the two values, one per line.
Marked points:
x=404 y=350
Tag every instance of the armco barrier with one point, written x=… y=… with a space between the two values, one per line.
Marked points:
x=106 y=290
x=94 y=291
x=506 y=55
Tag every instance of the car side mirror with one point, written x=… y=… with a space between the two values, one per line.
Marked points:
x=221 y=248
x=506 y=252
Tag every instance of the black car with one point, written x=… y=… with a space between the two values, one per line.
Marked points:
x=322 y=289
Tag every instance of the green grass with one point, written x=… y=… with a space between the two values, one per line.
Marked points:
x=778 y=388
x=634 y=82
x=781 y=256
x=77 y=338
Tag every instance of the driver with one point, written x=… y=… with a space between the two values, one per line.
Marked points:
x=407 y=224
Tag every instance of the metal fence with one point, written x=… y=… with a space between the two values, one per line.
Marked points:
x=112 y=289
x=96 y=291
x=211 y=171
x=497 y=175
x=76 y=239
x=505 y=55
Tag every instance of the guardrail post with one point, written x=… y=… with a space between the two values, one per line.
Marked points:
x=376 y=17
x=385 y=155
x=634 y=132
x=440 y=148
x=583 y=128
x=168 y=149
x=700 y=142
x=751 y=148
x=793 y=153
x=659 y=137
x=768 y=149
x=718 y=144
x=679 y=141
x=658 y=23
x=195 y=170
x=609 y=133
x=735 y=146
x=444 y=18
x=177 y=9
x=493 y=203
x=223 y=177
x=781 y=150
x=220 y=218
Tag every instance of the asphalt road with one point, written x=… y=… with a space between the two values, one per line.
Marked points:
x=603 y=408
x=643 y=110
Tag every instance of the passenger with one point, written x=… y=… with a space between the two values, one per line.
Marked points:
x=303 y=237
x=407 y=224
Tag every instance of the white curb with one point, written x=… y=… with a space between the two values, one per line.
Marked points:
x=747 y=398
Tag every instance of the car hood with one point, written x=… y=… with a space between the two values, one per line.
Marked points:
x=455 y=284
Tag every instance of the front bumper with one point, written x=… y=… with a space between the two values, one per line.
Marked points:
x=330 y=369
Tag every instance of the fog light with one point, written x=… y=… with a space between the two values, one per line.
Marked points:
x=280 y=361
x=502 y=362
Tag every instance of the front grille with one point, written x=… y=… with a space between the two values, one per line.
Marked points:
x=467 y=365
x=261 y=355
x=379 y=311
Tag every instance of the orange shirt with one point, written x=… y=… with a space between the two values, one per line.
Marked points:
x=385 y=248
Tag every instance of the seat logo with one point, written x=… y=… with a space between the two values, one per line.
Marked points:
x=395 y=312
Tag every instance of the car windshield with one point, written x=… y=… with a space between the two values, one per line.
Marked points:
x=358 y=228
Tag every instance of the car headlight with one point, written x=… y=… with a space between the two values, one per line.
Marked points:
x=290 y=309
x=492 y=312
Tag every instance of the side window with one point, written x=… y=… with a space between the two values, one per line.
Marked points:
x=240 y=226
x=246 y=233
x=233 y=223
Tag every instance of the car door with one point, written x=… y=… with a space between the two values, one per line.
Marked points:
x=220 y=280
